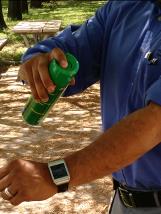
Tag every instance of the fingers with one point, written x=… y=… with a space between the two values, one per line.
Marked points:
x=17 y=199
x=59 y=55
x=5 y=182
x=33 y=87
x=35 y=72
x=7 y=188
x=27 y=181
x=9 y=192
x=45 y=78
x=4 y=171
x=40 y=89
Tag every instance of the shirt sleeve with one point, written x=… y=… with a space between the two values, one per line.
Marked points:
x=85 y=42
x=154 y=93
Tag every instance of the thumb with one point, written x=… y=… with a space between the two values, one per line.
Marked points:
x=60 y=57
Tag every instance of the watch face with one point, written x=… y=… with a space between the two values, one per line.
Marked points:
x=59 y=171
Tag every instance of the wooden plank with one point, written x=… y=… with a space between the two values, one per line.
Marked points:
x=3 y=42
x=52 y=26
x=37 y=27
x=29 y=27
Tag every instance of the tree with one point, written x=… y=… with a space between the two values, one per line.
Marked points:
x=24 y=6
x=14 y=9
x=36 y=3
x=2 y=22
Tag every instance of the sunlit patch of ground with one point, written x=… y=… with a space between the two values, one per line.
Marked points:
x=72 y=124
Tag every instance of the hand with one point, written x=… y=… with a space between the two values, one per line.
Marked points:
x=35 y=73
x=26 y=181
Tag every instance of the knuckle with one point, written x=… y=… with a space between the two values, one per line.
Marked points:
x=16 y=162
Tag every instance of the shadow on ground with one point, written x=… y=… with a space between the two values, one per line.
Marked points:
x=72 y=124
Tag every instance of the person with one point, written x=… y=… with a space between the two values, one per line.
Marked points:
x=120 y=47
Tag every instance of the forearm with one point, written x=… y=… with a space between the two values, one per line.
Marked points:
x=117 y=147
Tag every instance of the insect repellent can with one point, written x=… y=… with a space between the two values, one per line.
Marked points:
x=34 y=112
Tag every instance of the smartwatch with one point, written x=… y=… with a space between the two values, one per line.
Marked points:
x=59 y=174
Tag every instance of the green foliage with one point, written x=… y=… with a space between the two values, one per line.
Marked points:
x=70 y=12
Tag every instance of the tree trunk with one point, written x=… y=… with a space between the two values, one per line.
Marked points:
x=36 y=3
x=24 y=6
x=14 y=9
x=2 y=22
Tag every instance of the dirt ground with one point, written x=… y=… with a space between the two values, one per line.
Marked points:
x=72 y=124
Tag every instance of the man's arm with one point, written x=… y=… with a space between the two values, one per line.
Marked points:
x=119 y=146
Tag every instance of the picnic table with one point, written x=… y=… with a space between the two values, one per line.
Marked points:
x=38 y=29
x=3 y=42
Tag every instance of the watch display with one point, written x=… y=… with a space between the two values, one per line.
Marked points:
x=59 y=171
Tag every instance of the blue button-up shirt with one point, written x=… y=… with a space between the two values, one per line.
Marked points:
x=112 y=47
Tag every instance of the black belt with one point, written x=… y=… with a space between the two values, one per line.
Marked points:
x=133 y=198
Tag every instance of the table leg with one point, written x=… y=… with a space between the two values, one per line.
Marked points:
x=36 y=38
x=45 y=36
x=26 y=40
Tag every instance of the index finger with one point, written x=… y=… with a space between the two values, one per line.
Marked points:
x=59 y=55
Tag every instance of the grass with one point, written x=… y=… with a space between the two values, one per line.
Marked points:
x=70 y=12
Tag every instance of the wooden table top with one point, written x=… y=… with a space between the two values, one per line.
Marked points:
x=37 y=26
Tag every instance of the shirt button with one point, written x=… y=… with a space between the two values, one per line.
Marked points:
x=148 y=55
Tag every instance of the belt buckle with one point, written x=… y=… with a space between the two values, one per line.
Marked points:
x=125 y=195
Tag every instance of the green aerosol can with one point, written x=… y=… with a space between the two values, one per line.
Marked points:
x=34 y=113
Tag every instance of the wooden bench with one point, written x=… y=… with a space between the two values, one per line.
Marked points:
x=38 y=29
x=3 y=42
